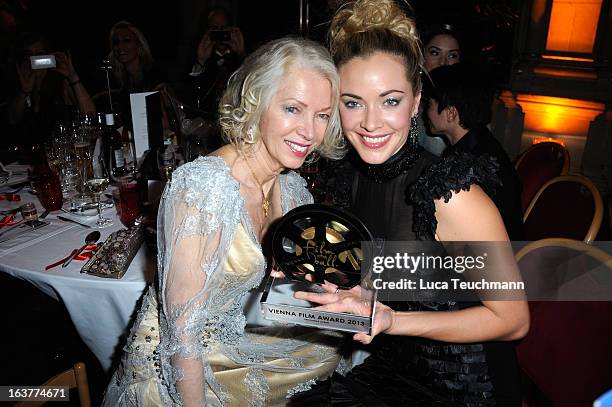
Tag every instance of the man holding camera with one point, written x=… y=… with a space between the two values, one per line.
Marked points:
x=219 y=53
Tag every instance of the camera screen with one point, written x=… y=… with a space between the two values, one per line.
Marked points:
x=219 y=35
x=42 y=61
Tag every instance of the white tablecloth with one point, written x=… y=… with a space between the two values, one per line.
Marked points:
x=101 y=309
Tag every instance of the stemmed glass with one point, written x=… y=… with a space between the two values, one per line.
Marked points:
x=82 y=152
x=96 y=186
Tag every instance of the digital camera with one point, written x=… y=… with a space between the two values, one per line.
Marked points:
x=219 y=35
x=42 y=61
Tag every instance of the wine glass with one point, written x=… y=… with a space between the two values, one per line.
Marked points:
x=82 y=152
x=96 y=186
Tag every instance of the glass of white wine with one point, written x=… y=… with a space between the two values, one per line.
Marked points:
x=96 y=186
x=82 y=152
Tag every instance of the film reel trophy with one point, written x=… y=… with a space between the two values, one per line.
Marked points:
x=313 y=243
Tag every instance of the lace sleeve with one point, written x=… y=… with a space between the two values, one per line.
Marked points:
x=453 y=173
x=198 y=215
x=293 y=191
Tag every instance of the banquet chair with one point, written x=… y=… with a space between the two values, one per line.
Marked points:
x=565 y=355
x=538 y=164
x=567 y=206
x=75 y=377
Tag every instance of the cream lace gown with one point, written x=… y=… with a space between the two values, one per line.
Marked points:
x=191 y=347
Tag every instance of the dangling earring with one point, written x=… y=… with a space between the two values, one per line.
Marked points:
x=413 y=134
x=250 y=136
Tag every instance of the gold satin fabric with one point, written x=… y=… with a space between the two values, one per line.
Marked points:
x=319 y=354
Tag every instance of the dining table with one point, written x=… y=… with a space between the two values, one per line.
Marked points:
x=101 y=309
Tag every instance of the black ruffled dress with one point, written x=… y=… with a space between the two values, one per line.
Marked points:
x=411 y=371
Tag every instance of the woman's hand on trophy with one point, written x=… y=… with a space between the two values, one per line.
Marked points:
x=353 y=301
x=277 y=273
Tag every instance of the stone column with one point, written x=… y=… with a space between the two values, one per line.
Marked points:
x=597 y=156
x=537 y=30
x=507 y=123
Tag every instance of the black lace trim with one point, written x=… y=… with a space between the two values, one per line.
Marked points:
x=455 y=172
x=397 y=164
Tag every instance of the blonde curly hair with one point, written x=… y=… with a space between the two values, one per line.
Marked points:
x=361 y=28
x=251 y=88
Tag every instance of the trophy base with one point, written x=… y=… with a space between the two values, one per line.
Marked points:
x=278 y=304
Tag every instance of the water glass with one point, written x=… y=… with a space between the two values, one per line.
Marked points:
x=50 y=191
x=129 y=202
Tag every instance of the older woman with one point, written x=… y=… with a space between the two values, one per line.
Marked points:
x=189 y=345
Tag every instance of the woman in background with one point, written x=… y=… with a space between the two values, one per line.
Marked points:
x=441 y=47
x=133 y=70
x=44 y=96
x=131 y=59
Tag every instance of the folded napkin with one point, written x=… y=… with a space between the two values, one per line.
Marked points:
x=13 y=174
x=113 y=257
x=25 y=236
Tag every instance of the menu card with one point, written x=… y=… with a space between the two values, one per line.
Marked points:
x=146 y=121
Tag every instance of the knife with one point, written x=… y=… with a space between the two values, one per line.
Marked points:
x=73 y=221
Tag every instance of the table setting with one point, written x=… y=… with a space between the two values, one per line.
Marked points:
x=47 y=238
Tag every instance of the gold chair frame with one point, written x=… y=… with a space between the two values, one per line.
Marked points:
x=566 y=157
x=75 y=377
x=597 y=201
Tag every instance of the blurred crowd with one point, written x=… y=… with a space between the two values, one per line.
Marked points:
x=43 y=83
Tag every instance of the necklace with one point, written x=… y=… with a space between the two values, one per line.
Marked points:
x=399 y=163
x=265 y=201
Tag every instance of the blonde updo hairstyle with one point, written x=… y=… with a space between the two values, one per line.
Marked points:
x=251 y=88
x=364 y=27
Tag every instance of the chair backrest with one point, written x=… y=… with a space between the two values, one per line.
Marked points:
x=75 y=377
x=566 y=335
x=538 y=164
x=568 y=206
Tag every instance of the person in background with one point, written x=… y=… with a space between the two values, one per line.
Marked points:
x=441 y=47
x=459 y=108
x=189 y=345
x=133 y=66
x=133 y=70
x=220 y=52
x=44 y=96
x=425 y=351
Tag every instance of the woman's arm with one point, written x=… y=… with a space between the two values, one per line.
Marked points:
x=23 y=99
x=467 y=216
x=195 y=230
x=82 y=99
x=184 y=301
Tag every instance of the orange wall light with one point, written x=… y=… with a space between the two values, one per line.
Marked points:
x=573 y=24
x=554 y=115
